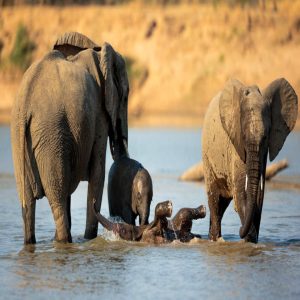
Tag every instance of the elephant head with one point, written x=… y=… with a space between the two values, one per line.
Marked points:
x=257 y=123
x=112 y=67
x=142 y=193
x=183 y=220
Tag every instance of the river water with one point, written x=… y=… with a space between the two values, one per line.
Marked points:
x=106 y=268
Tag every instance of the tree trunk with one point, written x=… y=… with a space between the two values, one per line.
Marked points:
x=196 y=173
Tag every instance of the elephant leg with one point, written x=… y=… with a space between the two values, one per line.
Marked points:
x=95 y=188
x=217 y=206
x=28 y=213
x=214 y=224
x=69 y=211
x=128 y=216
x=68 y=215
x=60 y=215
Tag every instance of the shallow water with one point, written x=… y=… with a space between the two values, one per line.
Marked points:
x=106 y=268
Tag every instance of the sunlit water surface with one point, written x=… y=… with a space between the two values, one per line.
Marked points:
x=106 y=268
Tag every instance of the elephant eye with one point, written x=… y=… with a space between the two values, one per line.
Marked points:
x=246 y=92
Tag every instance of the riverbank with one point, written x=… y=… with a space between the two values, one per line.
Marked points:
x=179 y=56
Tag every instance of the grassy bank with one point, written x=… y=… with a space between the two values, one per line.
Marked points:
x=179 y=56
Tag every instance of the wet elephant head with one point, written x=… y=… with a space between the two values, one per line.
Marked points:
x=256 y=123
x=142 y=193
x=183 y=220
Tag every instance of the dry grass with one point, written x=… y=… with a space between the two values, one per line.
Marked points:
x=192 y=51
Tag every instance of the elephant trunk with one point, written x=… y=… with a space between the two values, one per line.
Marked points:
x=143 y=219
x=260 y=197
x=253 y=174
x=199 y=212
x=125 y=231
x=105 y=222
x=118 y=140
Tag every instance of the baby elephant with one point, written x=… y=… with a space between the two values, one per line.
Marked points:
x=129 y=191
x=183 y=221
x=160 y=230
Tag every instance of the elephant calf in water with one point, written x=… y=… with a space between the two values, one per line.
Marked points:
x=129 y=191
x=160 y=230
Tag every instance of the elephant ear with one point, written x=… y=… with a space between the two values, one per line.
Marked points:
x=107 y=66
x=230 y=114
x=284 y=109
x=71 y=43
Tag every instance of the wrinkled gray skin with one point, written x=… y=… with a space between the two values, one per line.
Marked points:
x=241 y=126
x=129 y=191
x=67 y=106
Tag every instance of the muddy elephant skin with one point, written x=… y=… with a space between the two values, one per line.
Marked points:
x=182 y=222
x=160 y=230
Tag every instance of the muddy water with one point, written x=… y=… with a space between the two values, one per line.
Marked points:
x=106 y=268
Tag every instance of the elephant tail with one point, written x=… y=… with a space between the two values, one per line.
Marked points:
x=26 y=171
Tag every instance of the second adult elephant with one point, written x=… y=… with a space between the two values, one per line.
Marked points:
x=241 y=126
x=67 y=106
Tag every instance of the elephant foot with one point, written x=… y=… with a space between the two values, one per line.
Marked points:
x=30 y=241
x=251 y=236
x=214 y=237
x=251 y=239
x=64 y=239
x=91 y=234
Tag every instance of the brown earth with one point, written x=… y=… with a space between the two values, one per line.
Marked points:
x=182 y=54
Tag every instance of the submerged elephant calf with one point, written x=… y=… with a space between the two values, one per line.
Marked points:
x=160 y=230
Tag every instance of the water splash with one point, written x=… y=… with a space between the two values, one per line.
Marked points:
x=110 y=235
x=116 y=219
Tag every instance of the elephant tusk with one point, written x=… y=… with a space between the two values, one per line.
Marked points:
x=126 y=147
x=246 y=183
x=261 y=182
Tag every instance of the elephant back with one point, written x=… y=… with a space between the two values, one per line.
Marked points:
x=71 y=43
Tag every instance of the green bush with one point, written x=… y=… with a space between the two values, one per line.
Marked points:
x=137 y=73
x=21 y=54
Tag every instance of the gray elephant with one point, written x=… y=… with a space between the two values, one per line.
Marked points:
x=129 y=191
x=68 y=104
x=241 y=126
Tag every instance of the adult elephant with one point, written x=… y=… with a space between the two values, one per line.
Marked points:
x=241 y=126
x=67 y=106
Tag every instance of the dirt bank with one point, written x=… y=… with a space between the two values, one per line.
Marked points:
x=180 y=56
